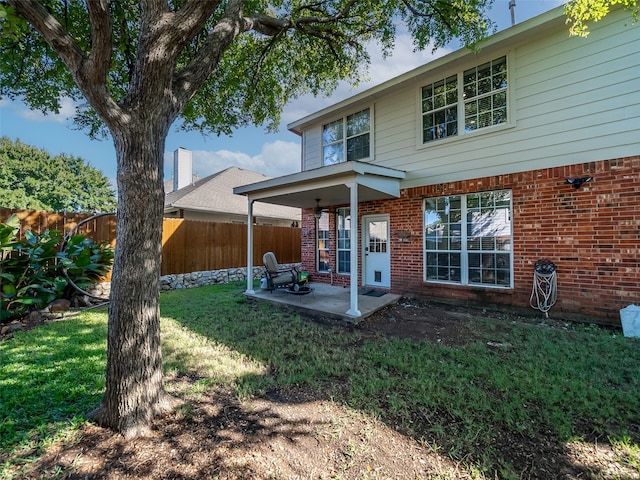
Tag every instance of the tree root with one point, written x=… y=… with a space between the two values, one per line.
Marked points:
x=135 y=426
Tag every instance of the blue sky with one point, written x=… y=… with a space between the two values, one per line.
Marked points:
x=251 y=148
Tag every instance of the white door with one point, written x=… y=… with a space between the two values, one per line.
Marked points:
x=377 y=258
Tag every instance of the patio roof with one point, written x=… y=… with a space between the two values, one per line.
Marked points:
x=329 y=184
x=347 y=183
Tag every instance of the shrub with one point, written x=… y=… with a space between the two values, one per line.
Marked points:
x=39 y=269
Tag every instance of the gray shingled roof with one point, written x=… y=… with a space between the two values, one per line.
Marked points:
x=168 y=184
x=215 y=193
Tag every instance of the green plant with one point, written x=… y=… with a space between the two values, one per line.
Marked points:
x=34 y=272
x=29 y=272
x=84 y=260
x=8 y=234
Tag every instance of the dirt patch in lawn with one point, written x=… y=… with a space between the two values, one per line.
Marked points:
x=302 y=434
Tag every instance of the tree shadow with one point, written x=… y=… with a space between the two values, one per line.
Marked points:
x=472 y=433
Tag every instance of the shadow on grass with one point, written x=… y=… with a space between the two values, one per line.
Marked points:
x=532 y=406
x=535 y=406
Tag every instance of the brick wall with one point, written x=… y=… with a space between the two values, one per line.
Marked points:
x=592 y=234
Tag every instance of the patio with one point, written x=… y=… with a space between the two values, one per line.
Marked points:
x=327 y=300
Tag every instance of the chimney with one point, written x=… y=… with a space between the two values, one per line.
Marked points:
x=512 y=7
x=182 y=173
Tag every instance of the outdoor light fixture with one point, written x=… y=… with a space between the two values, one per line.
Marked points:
x=577 y=181
x=317 y=212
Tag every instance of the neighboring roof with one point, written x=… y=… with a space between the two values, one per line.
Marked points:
x=168 y=184
x=520 y=32
x=215 y=194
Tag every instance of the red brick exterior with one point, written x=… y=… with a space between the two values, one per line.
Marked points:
x=592 y=234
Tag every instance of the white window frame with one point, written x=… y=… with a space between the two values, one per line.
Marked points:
x=460 y=104
x=326 y=237
x=344 y=139
x=344 y=212
x=466 y=249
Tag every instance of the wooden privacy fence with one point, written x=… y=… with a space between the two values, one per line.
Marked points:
x=102 y=229
x=187 y=245
x=191 y=246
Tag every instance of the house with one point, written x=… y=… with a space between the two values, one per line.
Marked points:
x=212 y=199
x=456 y=178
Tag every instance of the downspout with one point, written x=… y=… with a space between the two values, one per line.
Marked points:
x=353 y=302
x=250 y=289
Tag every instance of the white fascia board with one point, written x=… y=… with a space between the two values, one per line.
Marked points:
x=380 y=184
x=318 y=175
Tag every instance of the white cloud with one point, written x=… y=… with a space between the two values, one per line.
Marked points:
x=402 y=59
x=275 y=159
x=66 y=113
x=281 y=158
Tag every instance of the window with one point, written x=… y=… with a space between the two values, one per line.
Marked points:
x=323 y=242
x=343 y=223
x=468 y=239
x=467 y=102
x=346 y=139
x=440 y=111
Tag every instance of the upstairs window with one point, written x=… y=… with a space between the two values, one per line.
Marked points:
x=465 y=102
x=346 y=139
x=440 y=109
x=485 y=95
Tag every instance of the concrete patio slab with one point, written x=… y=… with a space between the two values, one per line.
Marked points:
x=328 y=300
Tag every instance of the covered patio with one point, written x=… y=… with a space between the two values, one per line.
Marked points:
x=327 y=300
x=348 y=183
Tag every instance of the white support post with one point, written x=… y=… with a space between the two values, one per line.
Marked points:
x=353 y=304
x=250 y=289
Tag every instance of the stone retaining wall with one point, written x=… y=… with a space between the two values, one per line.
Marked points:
x=193 y=279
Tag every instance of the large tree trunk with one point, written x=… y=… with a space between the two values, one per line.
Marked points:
x=134 y=383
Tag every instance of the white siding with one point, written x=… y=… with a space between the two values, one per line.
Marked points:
x=312 y=155
x=574 y=100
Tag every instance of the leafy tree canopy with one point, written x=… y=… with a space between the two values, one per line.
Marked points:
x=33 y=179
x=581 y=12
x=275 y=51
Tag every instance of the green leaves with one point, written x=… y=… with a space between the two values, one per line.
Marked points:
x=11 y=26
x=275 y=52
x=32 y=179
x=7 y=235
x=35 y=271
x=581 y=12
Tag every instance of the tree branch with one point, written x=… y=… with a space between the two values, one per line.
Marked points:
x=52 y=31
x=233 y=23
x=435 y=7
x=95 y=69
x=192 y=77
x=90 y=72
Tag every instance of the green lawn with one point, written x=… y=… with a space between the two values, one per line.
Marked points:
x=563 y=384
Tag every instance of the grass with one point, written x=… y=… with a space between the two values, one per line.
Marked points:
x=466 y=401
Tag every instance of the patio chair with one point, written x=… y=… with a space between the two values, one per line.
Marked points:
x=277 y=275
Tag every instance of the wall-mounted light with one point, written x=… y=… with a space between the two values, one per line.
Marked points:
x=578 y=181
x=317 y=212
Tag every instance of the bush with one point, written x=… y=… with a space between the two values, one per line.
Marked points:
x=40 y=268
